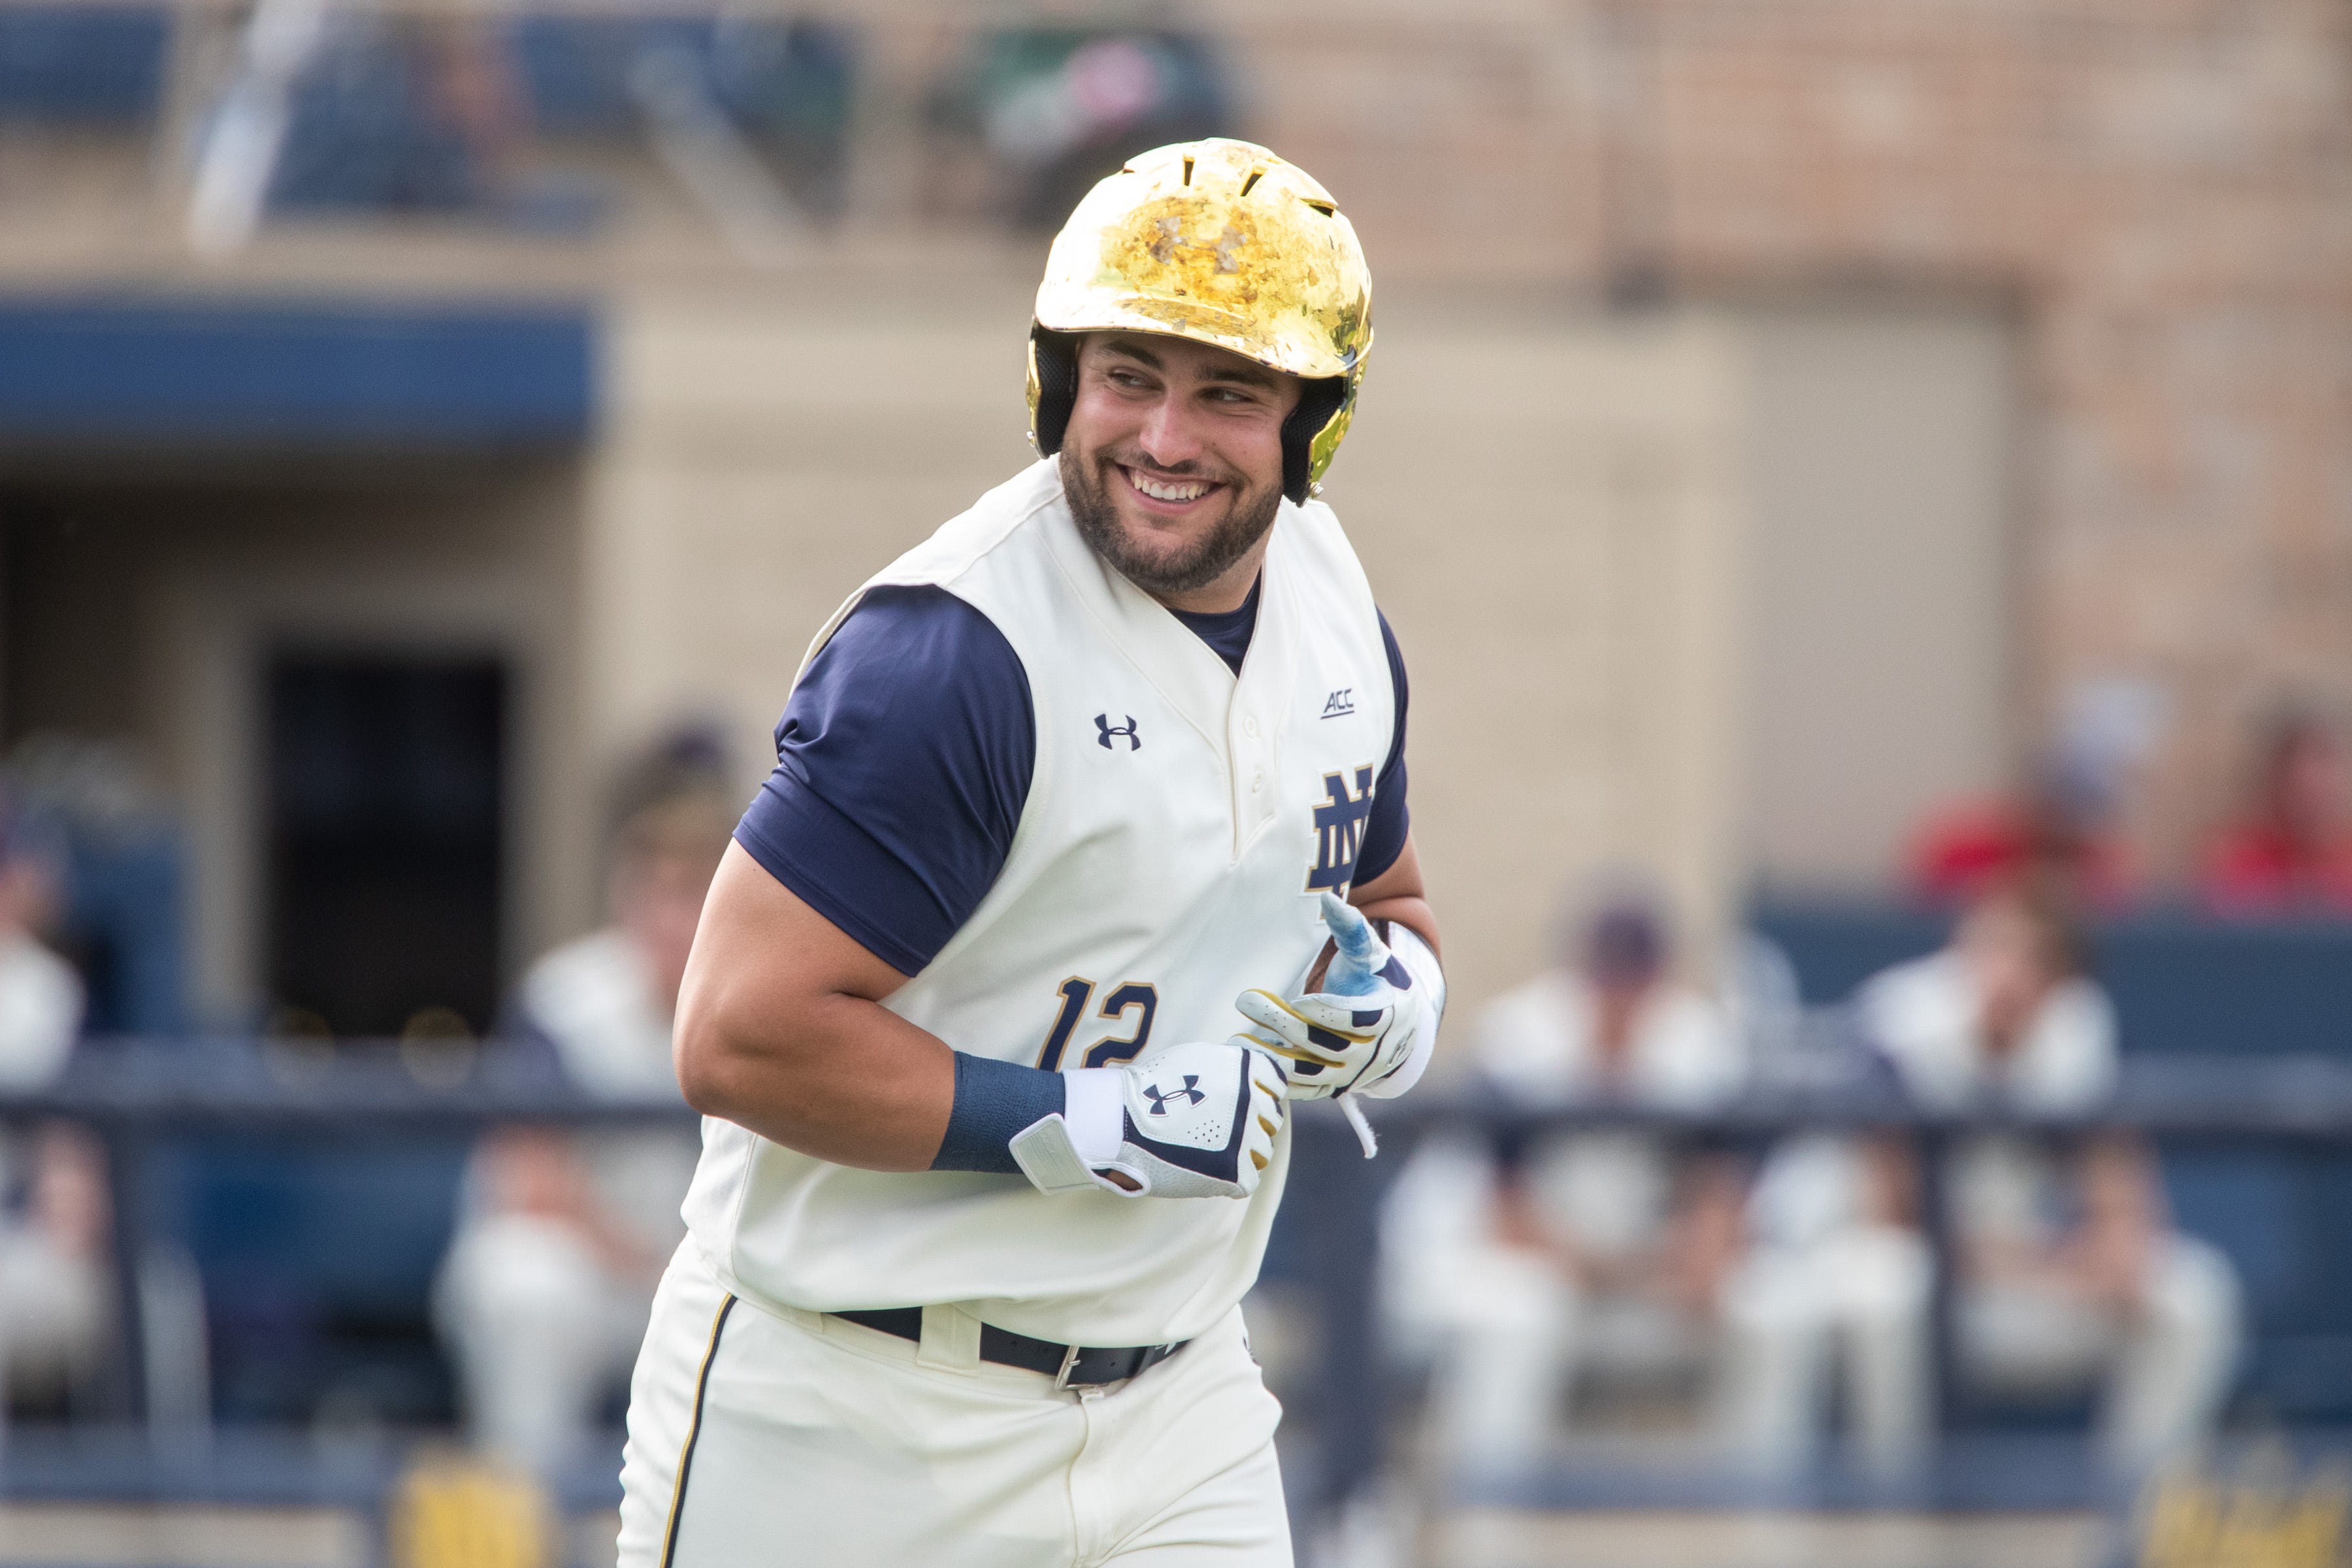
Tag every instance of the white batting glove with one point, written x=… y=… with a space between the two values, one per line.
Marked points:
x=1195 y=1121
x=1360 y=1032
x=1371 y=1029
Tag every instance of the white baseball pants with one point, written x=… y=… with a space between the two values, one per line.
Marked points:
x=759 y=1436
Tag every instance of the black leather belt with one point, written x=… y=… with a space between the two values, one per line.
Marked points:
x=1070 y=1366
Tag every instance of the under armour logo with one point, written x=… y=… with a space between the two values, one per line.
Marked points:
x=1102 y=723
x=1191 y=1093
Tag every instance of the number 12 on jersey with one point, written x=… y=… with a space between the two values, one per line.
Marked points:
x=1130 y=996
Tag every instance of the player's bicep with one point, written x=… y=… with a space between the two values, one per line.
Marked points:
x=778 y=1031
x=756 y=930
x=761 y=956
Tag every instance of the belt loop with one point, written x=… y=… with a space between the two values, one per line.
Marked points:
x=950 y=1340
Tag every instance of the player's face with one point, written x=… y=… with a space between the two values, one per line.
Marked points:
x=2003 y=954
x=1172 y=460
x=657 y=900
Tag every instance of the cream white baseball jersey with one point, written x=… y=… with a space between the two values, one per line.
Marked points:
x=1180 y=825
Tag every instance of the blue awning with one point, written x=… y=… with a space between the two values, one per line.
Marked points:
x=334 y=376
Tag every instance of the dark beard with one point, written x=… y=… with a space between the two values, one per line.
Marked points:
x=1098 y=524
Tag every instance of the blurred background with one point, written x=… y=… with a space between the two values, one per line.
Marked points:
x=1865 y=494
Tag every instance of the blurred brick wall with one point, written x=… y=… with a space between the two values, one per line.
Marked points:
x=2162 y=190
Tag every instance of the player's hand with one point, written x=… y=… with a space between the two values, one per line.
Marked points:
x=1195 y=1121
x=1360 y=1030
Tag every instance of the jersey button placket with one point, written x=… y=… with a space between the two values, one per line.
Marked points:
x=1252 y=794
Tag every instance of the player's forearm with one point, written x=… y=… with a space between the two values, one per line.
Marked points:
x=1397 y=894
x=845 y=1080
x=1412 y=912
x=780 y=1029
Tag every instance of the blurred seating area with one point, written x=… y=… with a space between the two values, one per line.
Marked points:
x=2187 y=985
x=543 y=119
x=2096 y=1220
x=290 y=1228
x=1914 y=1216
x=1587 y=1255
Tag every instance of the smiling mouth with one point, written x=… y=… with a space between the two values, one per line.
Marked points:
x=1168 y=491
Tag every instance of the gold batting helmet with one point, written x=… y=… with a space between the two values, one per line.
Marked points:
x=1223 y=243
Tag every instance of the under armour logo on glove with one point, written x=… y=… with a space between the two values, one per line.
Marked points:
x=1191 y=1093
x=1121 y=1132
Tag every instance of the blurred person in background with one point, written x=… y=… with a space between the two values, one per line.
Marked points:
x=54 y=1294
x=1833 y=1296
x=2059 y=825
x=2070 y=1275
x=1568 y=1253
x=2291 y=852
x=546 y=1289
x=111 y=843
x=1053 y=108
x=2066 y=823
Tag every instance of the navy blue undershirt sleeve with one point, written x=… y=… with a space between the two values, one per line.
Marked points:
x=903 y=761
x=1390 y=820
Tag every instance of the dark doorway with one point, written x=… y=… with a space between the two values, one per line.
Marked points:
x=385 y=778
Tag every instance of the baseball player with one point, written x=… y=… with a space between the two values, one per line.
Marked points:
x=1086 y=852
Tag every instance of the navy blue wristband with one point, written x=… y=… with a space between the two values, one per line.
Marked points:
x=994 y=1101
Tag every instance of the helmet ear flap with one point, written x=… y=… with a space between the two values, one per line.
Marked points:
x=1320 y=402
x=1053 y=387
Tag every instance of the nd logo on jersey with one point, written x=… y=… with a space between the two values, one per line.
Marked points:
x=1340 y=830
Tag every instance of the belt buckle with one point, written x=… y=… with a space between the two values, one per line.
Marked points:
x=1069 y=1365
